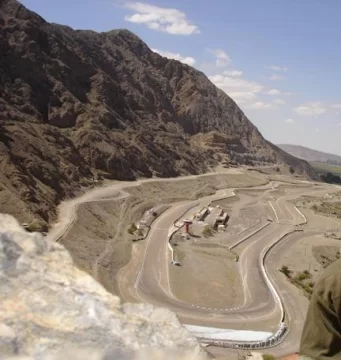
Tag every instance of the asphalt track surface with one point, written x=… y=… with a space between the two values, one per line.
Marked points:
x=259 y=306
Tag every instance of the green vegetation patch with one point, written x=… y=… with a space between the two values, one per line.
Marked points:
x=300 y=279
x=328 y=173
x=132 y=228
x=36 y=226
x=323 y=168
x=268 y=357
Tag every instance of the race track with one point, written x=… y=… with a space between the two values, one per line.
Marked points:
x=268 y=298
x=264 y=303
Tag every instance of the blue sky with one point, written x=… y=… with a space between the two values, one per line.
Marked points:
x=278 y=59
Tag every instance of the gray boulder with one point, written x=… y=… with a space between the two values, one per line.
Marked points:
x=49 y=309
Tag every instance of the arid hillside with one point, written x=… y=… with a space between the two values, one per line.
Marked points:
x=77 y=106
x=310 y=154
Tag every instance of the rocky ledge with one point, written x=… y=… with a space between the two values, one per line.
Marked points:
x=51 y=310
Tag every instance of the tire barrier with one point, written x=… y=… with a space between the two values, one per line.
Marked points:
x=273 y=340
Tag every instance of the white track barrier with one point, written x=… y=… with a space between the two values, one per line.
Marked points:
x=250 y=235
x=300 y=212
x=272 y=207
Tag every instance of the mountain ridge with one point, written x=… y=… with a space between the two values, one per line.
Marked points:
x=103 y=105
x=309 y=154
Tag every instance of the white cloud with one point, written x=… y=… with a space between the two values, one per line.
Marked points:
x=276 y=77
x=311 y=109
x=233 y=73
x=273 y=92
x=289 y=94
x=176 y=56
x=336 y=106
x=259 y=105
x=289 y=121
x=279 y=102
x=317 y=130
x=278 y=68
x=241 y=90
x=222 y=58
x=238 y=89
x=171 y=21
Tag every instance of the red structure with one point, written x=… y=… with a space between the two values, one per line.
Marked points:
x=188 y=223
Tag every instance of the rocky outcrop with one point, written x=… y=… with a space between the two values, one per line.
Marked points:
x=80 y=105
x=51 y=310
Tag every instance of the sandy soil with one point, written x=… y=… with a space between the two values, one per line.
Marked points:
x=219 y=276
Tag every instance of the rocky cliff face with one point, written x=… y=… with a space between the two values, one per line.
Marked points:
x=51 y=310
x=78 y=105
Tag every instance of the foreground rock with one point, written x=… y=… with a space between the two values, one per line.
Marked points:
x=76 y=106
x=51 y=310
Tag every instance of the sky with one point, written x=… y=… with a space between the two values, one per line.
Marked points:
x=280 y=60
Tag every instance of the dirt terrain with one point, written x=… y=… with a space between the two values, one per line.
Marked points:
x=219 y=275
x=99 y=241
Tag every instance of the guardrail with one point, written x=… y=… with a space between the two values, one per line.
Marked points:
x=248 y=236
x=266 y=276
x=273 y=340
x=148 y=227
x=300 y=212
x=274 y=210
x=171 y=249
x=182 y=215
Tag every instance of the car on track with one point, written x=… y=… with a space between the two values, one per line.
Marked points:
x=176 y=263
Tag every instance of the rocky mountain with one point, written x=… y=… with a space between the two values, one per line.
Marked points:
x=77 y=106
x=53 y=312
x=310 y=154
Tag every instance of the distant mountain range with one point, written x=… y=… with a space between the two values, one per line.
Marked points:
x=310 y=154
